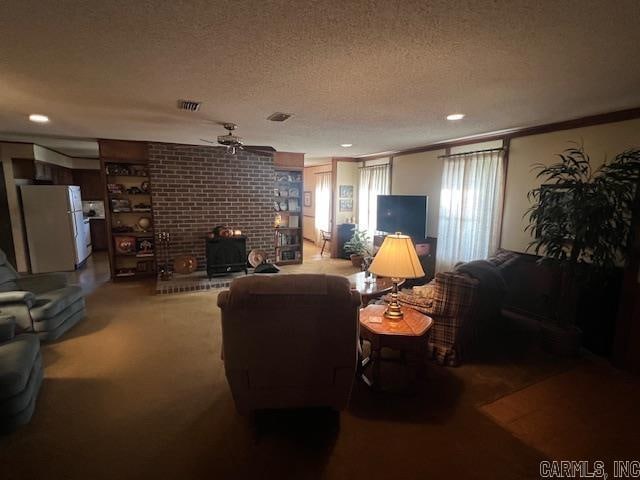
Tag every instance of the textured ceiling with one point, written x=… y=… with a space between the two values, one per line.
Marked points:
x=379 y=74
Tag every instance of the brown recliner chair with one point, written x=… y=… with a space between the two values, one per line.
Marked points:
x=290 y=341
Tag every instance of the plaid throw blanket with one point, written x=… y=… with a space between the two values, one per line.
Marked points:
x=451 y=310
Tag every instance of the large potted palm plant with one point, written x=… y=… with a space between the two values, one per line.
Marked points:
x=580 y=219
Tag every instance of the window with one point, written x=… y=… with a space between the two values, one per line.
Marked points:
x=323 y=203
x=470 y=207
x=374 y=181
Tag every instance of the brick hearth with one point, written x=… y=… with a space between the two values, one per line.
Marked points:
x=195 y=188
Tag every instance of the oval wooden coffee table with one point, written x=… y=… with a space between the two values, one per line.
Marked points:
x=407 y=335
x=373 y=289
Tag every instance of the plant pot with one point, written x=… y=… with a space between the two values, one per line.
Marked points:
x=563 y=341
x=356 y=259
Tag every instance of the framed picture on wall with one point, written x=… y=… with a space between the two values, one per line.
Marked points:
x=346 y=191
x=346 y=205
x=307 y=199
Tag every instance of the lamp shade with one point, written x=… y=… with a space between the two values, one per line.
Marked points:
x=397 y=258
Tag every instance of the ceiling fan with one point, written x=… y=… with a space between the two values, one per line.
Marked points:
x=234 y=142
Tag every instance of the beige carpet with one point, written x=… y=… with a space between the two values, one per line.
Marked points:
x=138 y=391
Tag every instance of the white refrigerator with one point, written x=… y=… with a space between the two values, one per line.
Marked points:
x=55 y=226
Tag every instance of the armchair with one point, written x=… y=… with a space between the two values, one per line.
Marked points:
x=44 y=304
x=20 y=375
x=290 y=341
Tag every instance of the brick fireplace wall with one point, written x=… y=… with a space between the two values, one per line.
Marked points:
x=195 y=188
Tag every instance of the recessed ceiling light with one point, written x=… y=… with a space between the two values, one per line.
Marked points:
x=346 y=145
x=36 y=117
x=455 y=116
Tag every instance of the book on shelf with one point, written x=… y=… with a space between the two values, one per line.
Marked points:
x=285 y=239
x=294 y=205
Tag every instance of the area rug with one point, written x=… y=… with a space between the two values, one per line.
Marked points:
x=587 y=413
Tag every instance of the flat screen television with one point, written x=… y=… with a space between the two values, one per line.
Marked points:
x=403 y=213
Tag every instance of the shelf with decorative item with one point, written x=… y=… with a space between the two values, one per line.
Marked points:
x=134 y=234
x=128 y=176
x=116 y=195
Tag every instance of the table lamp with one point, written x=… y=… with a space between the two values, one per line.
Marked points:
x=396 y=259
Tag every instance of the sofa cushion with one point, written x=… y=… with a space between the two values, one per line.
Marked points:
x=484 y=271
x=16 y=361
x=503 y=258
x=425 y=291
x=7 y=327
x=49 y=304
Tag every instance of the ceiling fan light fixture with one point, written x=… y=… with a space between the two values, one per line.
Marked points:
x=230 y=140
x=279 y=117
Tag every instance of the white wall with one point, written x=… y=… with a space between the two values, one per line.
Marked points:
x=420 y=174
x=347 y=173
x=9 y=151
x=600 y=142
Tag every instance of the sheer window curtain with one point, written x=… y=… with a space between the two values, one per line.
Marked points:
x=470 y=207
x=374 y=181
x=323 y=203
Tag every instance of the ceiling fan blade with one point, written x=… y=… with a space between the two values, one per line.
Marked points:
x=259 y=148
x=209 y=141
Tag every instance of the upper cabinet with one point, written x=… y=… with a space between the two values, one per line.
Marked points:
x=288 y=159
x=123 y=151
x=49 y=173
x=43 y=171
x=90 y=182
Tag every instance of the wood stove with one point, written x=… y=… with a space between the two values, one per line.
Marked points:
x=226 y=255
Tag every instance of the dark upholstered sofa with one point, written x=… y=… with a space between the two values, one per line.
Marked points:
x=465 y=305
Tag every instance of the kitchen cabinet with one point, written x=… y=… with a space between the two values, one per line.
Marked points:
x=61 y=175
x=48 y=173
x=44 y=171
x=98 y=234
x=90 y=183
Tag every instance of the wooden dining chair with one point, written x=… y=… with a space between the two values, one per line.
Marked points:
x=326 y=237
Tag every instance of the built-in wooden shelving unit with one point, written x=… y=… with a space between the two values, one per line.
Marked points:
x=128 y=208
x=287 y=204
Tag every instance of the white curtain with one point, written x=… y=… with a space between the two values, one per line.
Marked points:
x=374 y=181
x=323 y=203
x=470 y=207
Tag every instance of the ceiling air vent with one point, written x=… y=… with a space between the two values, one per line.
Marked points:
x=279 y=117
x=189 y=105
